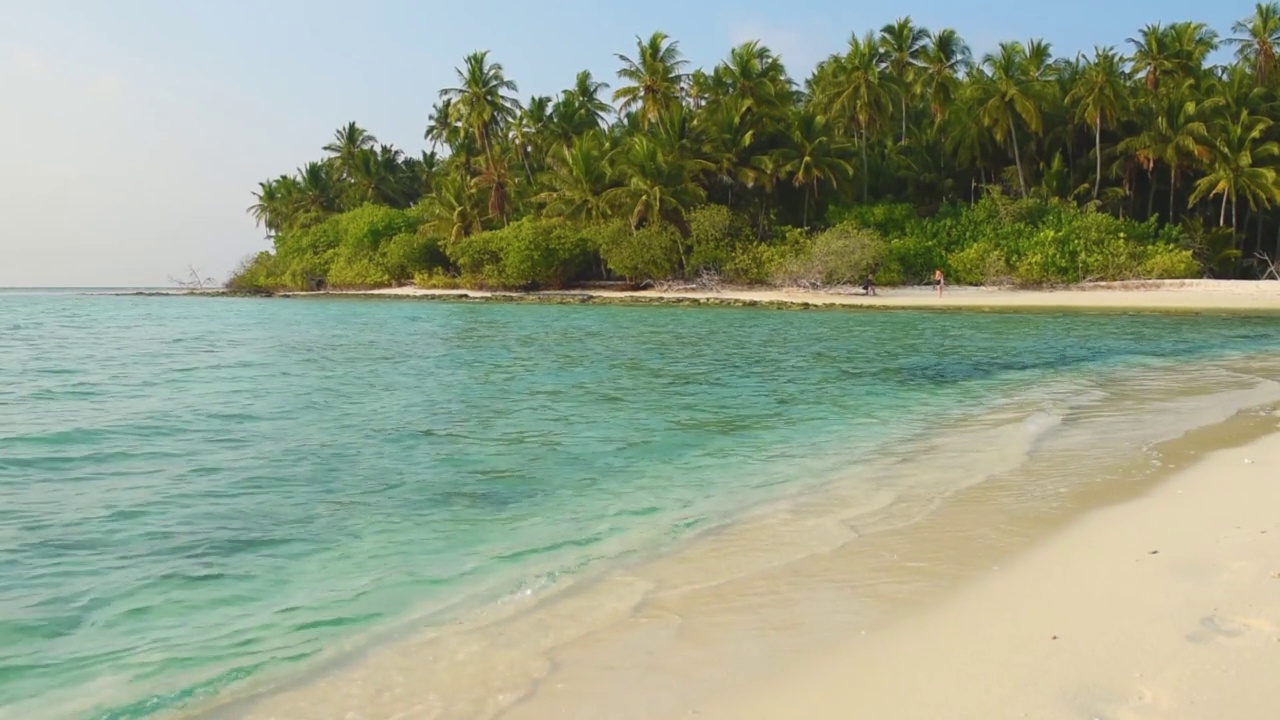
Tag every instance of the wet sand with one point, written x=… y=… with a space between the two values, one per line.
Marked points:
x=1169 y=295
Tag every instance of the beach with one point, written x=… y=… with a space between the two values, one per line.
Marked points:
x=1167 y=606
x=1142 y=586
x=1161 y=295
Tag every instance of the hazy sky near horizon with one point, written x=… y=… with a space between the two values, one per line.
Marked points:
x=135 y=130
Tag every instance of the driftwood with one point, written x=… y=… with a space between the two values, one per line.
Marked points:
x=1272 y=267
x=194 y=281
x=707 y=281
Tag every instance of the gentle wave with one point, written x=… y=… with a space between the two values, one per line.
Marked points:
x=199 y=497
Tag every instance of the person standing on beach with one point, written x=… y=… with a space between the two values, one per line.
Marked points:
x=869 y=285
x=939 y=279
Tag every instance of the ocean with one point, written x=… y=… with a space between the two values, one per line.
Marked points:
x=207 y=501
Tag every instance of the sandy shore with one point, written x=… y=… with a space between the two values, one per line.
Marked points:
x=834 y=604
x=1164 y=607
x=1172 y=295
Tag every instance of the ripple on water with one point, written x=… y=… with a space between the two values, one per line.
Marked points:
x=196 y=493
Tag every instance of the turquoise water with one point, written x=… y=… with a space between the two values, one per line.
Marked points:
x=197 y=492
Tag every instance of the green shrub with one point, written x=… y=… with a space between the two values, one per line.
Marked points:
x=542 y=253
x=651 y=253
x=1166 y=262
x=980 y=264
x=998 y=239
x=366 y=229
x=716 y=235
x=474 y=255
x=370 y=246
x=350 y=272
x=529 y=253
x=254 y=273
x=755 y=264
x=911 y=260
x=436 y=279
x=890 y=220
x=843 y=255
x=409 y=253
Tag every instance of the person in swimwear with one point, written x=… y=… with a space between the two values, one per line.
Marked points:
x=939 y=279
x=869 y=285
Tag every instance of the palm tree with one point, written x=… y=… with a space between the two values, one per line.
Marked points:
x=754 y=81
x=655 y=187
x=968 y=143
x=480 y=103
x=814 y=155
x=903 y=43
x=318 y=187
x=854 y=86
x=374 y=175
x=699 y=87
x=1012 y=92
x=451 y=209
x=269 y=208
x=728 y=138
x=1235 y=88
x=279 y=204
x=578 y=177
x=655 y=78
x=442 y=128
x=1257 y=38
x=420 y=175
x=349 y=140
x=680 y=137
x=1176 y=135
x=527 y=133
x=1236 y=168
x=1191 y=43
x=1098 y=96
x=1152 y=55
x=942 y=60
x=496 y=179
x=765 y=171
x=585 y=94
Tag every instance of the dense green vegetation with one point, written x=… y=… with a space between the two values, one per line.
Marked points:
x=902 y=153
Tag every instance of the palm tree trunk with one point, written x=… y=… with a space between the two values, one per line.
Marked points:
x=904 y=118
x=1222 y=215
x=1277 y=250
x=866 y=179
x=524 y=158
x=1017 y=158
x=1173 y=190
x=806 y=208
x=815 y=194
x=1151 y=193
x=1097 y=150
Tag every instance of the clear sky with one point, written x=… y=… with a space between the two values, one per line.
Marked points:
x=135 y=130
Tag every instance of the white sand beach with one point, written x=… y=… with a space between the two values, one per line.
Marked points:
x=1171 y=295
x=1164 y=607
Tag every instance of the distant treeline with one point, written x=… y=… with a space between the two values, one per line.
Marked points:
x=901 y=154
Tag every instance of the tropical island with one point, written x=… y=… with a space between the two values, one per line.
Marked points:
x=903 y=153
